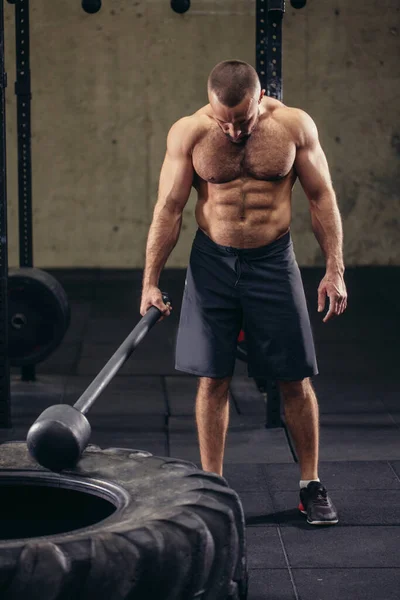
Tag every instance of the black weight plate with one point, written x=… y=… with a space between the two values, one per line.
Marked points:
x=38 y=315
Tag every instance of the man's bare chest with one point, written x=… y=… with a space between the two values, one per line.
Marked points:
x=267 y=155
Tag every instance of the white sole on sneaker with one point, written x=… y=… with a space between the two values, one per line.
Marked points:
x=323 y=522
x=304 y=512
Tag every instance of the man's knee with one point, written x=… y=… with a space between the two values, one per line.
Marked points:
x=214 y=385
x=295 y=389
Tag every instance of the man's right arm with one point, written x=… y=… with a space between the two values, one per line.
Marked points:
x=175 y=183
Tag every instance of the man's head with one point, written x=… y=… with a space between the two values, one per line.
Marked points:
x=234 y=92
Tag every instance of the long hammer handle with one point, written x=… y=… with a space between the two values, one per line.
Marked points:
x=119 y=358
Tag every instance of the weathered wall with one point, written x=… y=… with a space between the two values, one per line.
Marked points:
x=107 y=87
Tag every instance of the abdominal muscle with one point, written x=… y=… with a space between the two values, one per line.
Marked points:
x=245 y=213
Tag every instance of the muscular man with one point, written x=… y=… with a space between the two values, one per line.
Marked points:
x=243 y=152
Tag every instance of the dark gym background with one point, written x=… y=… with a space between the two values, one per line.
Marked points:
x=106 y=87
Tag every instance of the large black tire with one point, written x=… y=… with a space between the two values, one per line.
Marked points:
x=177 y=534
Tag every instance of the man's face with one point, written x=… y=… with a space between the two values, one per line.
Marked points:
x=238 y=122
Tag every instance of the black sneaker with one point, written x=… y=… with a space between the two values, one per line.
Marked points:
x=316 y=504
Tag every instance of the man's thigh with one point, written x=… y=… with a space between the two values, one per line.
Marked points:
x=210 y=319
x=277 y=325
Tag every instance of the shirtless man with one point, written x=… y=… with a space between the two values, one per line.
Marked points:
x=243 y=152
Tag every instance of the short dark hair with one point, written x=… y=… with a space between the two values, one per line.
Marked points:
x=232 y=80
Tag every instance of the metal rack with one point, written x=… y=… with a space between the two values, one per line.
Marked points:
x=5 y=410
x=269 y=17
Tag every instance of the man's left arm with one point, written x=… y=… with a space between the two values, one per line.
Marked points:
x=313 y=172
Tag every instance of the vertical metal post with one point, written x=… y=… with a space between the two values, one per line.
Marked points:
x=261 y=41
x=24 y=96
x=269 y=16
x=5 y=408
x=23 y=93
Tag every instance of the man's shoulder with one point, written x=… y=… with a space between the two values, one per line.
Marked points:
x=296 y=120
x=191 y=127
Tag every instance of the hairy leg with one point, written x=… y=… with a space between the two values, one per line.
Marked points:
x=212 y=418
x=302 y=418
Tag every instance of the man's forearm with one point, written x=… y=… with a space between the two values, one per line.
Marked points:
x=163 y=236
x=327 y=227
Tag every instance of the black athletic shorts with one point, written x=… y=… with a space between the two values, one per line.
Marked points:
x=257 y=289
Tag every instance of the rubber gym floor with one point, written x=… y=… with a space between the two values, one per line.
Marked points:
x=150 y=406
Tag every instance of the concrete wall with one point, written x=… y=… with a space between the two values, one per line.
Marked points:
x=107 y=87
